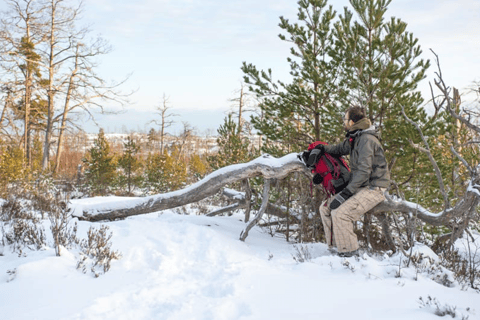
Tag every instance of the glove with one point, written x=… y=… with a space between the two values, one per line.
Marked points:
x=317 y=179
x=340 y=198
x=304 y=156
x=314 y=156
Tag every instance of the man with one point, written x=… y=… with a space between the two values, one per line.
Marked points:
x=369 y=180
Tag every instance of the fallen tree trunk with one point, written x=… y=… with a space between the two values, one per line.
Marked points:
x=270 y=168
x=266 y=166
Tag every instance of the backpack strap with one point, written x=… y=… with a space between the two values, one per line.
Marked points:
x=336 y=168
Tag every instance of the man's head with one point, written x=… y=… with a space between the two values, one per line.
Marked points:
x=353 y=115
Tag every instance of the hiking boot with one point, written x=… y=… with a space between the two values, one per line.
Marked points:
x=348 y=254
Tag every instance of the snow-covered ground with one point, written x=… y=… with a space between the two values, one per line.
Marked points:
x=194 y=267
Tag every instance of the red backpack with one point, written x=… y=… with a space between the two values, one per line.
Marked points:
x=334 y=170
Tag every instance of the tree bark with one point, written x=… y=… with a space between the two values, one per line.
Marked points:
x=66 y=108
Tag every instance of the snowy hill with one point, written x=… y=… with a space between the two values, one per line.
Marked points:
x=194 y=267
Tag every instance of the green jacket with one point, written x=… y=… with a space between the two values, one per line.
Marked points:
x=367 y=160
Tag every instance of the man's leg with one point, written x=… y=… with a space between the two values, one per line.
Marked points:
x=326 y=215
x=350 y=211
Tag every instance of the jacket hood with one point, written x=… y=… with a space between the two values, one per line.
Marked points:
x=361 y=124
x=371 y=129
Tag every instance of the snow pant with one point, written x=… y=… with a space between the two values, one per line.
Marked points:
x=338 y=223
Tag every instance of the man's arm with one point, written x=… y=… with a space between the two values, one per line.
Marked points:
x=341 y=149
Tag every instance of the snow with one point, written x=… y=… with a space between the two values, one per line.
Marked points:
x=194 y=267
x=234 y=194
x=473 y=188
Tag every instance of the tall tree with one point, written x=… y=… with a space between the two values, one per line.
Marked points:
x=304 y=110
x=70 y=62
x=20 y=34
x=380 y=70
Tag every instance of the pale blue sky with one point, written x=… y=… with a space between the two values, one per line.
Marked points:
x=192 y=50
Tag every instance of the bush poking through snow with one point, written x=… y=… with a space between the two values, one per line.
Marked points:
x=11 y=274
x=466 y=266
x=20 y=227
x=426 y=265
x=302 y=254
x=49 y=203
x=96 y=249
x=441 y=310
x=348 y=265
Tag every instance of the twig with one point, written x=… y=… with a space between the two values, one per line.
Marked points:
x=465 y=163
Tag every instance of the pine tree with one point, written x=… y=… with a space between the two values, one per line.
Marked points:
x=130 y=164
x=380 y=70
x=233 y=148
x=100 y=165
x=302 y=111
x=197 y=167
x=31 y=72
x=165 y=172
x=152 y=139
x=153 y=174
x=11 y=166
x=175 y=171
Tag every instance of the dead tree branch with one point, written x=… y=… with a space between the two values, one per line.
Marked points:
x=258 y=216
x=426 y=150
x=266 y=166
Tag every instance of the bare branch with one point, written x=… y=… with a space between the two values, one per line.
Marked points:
x=465 y=163
x=426 y=150
x=261 y=211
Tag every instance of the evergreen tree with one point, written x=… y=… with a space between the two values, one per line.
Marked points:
x=153 y=179
x=302 y=111
x=152 y=139
x=100 y=165
x=197 y=167
x=11 y=166
x=165 y=172
x=380 y=70
x=130 y=164
x=175 y=171
x=233 y=148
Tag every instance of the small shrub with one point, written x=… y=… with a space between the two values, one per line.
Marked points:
x=466 y=267
x=46 y=199
x=97 y=250
x=20 y=227
x=302 y=254
x=439 y=309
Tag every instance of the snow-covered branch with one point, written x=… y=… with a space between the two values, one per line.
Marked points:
x=265 y=165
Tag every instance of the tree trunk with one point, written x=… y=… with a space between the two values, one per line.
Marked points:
x=65 y=114
x=50 y=92
x=266 y=166
x=270 y=168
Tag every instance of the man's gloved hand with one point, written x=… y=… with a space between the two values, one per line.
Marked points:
x=340 y=198
x=304 y=156
x=314 y=156
x=317 y=179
